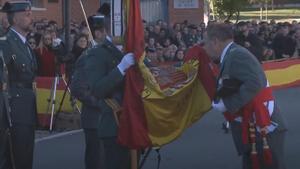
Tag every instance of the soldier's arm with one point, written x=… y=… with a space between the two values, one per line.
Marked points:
x=105 y=81
x=246 y=69
x=80 y=88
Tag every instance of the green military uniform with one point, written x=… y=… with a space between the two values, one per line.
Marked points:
x=96 y=78
x=21 y=65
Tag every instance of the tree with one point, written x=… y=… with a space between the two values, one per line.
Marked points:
x=226 y=9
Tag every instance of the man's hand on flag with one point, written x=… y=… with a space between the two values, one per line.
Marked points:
x=127 y=61
x=219 y=106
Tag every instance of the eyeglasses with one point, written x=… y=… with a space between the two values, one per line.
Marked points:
x=31 y=43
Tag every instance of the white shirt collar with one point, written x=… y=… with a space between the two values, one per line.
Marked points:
x=21 y=36
x=225 y=51
x=108 y=38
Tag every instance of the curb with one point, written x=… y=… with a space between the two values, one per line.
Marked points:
x=57 y=135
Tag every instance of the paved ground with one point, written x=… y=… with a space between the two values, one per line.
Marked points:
x=204 y=145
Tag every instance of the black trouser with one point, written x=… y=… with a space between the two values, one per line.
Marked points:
x=21 y=146
x=101 y=152
x=94 y=151
x=116 y=156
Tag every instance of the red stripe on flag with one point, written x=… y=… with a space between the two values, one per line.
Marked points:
x=288 y=85
x=207 y=72
x=280 y=64
x=133 y=131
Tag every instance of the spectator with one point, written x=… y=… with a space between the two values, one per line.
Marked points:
x=48 y=56
x=283 y=45
x=32 y=42
x=151 y=44
x=249 y=40
x=297 y=39
x=80 y=44
x=179 y=56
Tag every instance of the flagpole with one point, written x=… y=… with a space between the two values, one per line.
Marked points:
x=87 y=23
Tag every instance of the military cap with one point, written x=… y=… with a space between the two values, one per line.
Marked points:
x=17 y=6
x=104 y=9
x=96 y=22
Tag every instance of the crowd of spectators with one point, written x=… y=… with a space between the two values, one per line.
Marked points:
x=266 y=40
x=47 y=41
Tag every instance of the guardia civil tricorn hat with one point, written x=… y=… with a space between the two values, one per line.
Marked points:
x=16 y=6
x=96 y=22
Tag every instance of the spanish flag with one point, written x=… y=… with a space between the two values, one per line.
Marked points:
x=161 y=99
x=283 y=73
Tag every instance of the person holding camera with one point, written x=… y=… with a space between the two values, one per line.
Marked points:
x=49 y=55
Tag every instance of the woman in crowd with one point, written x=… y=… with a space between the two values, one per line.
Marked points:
x=49 y=55
x=80 y=44
x=32 y=42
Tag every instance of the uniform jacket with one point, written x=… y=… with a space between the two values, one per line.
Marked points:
x=96 y=77
x=21 y=64
x=240 y=64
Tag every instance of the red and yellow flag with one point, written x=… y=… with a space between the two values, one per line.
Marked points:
x=283 y=73
x=133 y=131
x=161 y=99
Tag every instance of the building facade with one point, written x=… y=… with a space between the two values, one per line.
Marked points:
x=172 y=11
x=53 y=9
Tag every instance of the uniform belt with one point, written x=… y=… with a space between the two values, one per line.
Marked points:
x=22 y=85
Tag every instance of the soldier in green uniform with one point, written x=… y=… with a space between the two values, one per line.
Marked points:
x=98 y=76
x=21 y=65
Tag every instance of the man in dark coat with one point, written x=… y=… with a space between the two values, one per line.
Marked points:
x=283 y=44
x=21 y=64
x=99 y=76
x=249 y=40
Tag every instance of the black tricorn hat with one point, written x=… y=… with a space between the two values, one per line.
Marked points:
x=104 y=9
x=18 y=6
x=96 y=22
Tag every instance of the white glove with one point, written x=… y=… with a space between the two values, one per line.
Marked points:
x=127 y=61
x=219 y=106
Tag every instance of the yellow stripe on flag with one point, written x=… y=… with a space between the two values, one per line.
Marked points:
x=171 y=110
x=278 y=77
x=168 y=117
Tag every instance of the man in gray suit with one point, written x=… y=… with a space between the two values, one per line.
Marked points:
x=240 y=80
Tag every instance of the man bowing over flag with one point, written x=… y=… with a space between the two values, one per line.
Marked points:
x=244 y=96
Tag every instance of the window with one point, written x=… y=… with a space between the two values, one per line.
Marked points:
x=53 y=1
x=37 y=3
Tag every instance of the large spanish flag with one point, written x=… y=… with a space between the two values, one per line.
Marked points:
x=161 y=99
x=283 y=73
x=44 y=91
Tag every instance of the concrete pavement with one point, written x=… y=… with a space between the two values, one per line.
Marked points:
x=204 y=145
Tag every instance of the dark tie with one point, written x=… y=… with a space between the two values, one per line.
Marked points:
x=28 y=49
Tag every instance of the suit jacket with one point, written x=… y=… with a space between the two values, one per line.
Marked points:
x=21 y=64
x=96 y=78
x=240 y=64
